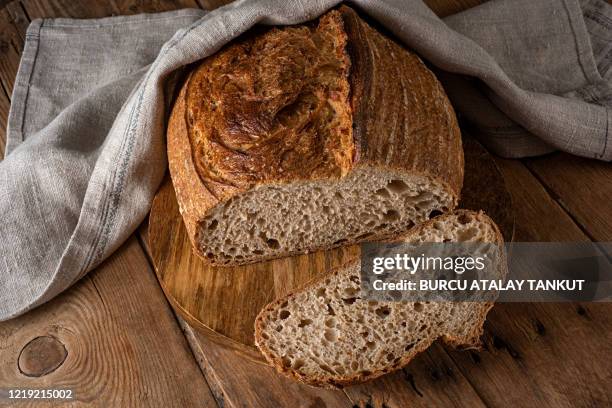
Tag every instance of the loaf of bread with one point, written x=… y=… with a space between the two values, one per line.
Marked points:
x=309 y=137
x=327 y=335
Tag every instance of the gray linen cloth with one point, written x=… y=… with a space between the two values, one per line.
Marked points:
x=86 y=148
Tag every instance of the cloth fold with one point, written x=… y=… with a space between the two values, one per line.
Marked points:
x=86 y=146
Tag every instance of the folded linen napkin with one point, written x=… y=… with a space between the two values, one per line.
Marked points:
x=86 y=148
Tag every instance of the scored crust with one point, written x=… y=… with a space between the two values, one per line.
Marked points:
x=410 y=127
x=469 y=341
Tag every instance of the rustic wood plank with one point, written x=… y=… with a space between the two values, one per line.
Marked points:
x=19 y=18
x=538 y=217
x=4 y=110
x=243 y=382
x=582 y=187
x=433 y=379
x=68 y=8
x=122 y=344
x=11 y=44
x=551 y=353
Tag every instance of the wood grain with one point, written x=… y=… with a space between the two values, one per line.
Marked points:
x=4 y=110
x=239 y=381
x=538 y=217
x=552 y=354
x=122 y=344
x=68 y=8
x=582 y=187
x=432 y=379
x=11 y=45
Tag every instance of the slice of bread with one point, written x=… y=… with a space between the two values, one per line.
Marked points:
x=327 y=335
x=310 y=137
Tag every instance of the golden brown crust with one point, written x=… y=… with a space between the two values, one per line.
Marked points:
x=227 y=136
x=272 y=108
x=471 y=341
x=410 y=126
x=194 y=198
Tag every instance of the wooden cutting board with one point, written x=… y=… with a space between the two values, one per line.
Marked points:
x=223 y=302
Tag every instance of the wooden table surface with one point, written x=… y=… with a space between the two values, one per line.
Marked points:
x=115 y=341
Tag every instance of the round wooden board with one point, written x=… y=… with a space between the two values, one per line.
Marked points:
x=224 y=302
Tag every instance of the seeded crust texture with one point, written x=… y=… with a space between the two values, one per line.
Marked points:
x=310 y=137
x=327 y=335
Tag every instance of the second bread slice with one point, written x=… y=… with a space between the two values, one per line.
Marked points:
x=327 y=335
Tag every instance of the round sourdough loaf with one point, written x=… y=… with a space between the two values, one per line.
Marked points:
x=309 y=137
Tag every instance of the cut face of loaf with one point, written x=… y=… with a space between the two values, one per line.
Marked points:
x=309 y=137
x=279 y=220
x=327 y=335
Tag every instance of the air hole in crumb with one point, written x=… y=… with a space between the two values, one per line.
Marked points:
x=349 y=301
x=340 y=241
x=418 y=307
x=390 y=357
x=351 y=291
x=321 y=292
x=435 y=213
x=331 y=322
x=383 y=192
x=213 y=224
x=286 y=361
x=331 y=335
x=265 y=336
x=272 y=243
x=210 y=255
x=397 y=186
x=304 y=322
x=370 y=344
x=330 y=310
x=409 y=346
x=365 y=373
x=354 y=366
x=284 y=314
x=423 y=328
x=391 y=215
x=279 y=328
x=258 y=252
x=383 y=311
x=464 y=219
